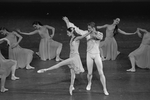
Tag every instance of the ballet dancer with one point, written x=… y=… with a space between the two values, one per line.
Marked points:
x=74 y=61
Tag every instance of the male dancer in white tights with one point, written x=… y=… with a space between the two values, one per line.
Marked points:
x=93 y=52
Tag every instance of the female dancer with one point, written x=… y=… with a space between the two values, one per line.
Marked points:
x=109 y=45
x=48 y=48
x=21 y=55
x=74 y=62
x=6 y=66
x=141 y=56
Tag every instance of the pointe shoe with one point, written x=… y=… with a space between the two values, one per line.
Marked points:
x=71 y=89
x=131 y=70
x=88 y=87
x=41 y=71
x=4 y=90
x=106 y=92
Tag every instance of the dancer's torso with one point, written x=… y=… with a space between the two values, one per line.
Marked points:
x=92 y=45
x=74 y=45
x=44 y=33
x=110 y=32
x=146 y=39
x=12 y=38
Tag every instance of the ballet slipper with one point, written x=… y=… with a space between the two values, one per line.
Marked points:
x=14 y=78
x=131 y=70
x=106 y=92
x=41 y=71
x=4 y=90
x=88 y=87
x=71 y=89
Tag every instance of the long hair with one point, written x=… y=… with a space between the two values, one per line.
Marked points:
x=115 y=30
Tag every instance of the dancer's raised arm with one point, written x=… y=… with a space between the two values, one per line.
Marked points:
x=143 y=30
x=69 y=24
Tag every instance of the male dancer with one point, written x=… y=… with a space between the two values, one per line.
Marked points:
x=93 y=52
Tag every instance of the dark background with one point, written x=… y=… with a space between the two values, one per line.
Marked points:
x=20 y=15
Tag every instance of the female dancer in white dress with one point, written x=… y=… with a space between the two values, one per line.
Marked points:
x=141 y=56
x=7 y=66
x=74 y=61
x=48 y=48
x=109 y=45
x=21 y=55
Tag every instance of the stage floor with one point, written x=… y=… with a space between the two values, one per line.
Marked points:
x=54 y=85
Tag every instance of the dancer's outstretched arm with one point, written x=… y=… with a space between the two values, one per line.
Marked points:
x=125 y=33
x=83 y=36
x=103 y=26
x=30 y=33
x=64 y=62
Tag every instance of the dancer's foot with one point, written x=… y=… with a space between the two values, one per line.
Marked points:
x=41 y=71
x=4 y=90
x=59 y=59
x=106 y=92
x=131 y=70
x=29 y=67
x=14 y=78
x=88 y=86
x=71 y=89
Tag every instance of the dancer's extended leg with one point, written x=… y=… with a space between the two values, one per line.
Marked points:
x=64 y=62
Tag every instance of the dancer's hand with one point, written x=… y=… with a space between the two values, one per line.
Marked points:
x=41 y=71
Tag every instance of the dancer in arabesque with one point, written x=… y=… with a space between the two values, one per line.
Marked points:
x=74 y=61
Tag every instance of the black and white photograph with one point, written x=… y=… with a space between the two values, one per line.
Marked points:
x=74 y=50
